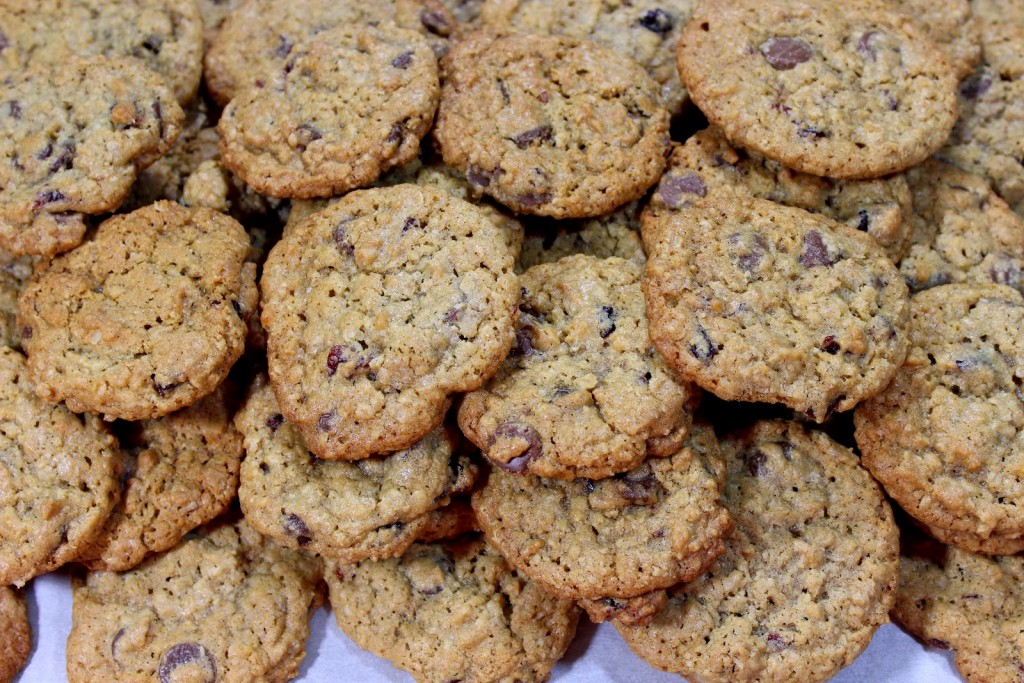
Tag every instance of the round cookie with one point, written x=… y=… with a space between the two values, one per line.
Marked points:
x=73 y=140
x=988 y=139
x=955 y=600
x=178 y=472
x=349 y=104
x=617 y=234
x=808 y=575
x=453 y=610
x=943 y=438
x=645 y=31
x=166 y=36
x=143 y=319
x=17 y=643
x=707 y=165
x=58 y=481
x=755 y=301
x=584 y=393
x=963 y=232
x=14 y=275
x=259 y=37
x=659 y=524
x=377 y=309
x=846 y=90
x=348 y=511
x=950 y=24
x=550 y=125
x=225 y=604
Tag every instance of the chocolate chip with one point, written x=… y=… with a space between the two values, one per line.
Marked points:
x=784 y=53
x=284 y=47
x=163 y=390
x=412 y=224
x=527 y=138
x=436 y=23
x=340 y=237
x=809 y=132
x=275 y=421
x=183 y=654
x=608 y=316
x=47 y=197
x=588 y=485
x=560 y=392
x=704 y=349
x=45 y=152
x=325 y=422
x=830 y=345
x=672 y=188
x=756 y=460
x=864 y=220
x=524 y=341
x=396 y=134
x=751 y=249
x=534 y=198
x=1005 y=270
x=306 y=133
x=479 y=176
x=296 y=526
x=153 y=43
x=14 y=109
x=516 y=431
x=975 y=85
x=657 y=20
x=65 y=159
x=865 y=48
x=640 y=487
x=402 y=61
x=940 y=644
x=815 y=251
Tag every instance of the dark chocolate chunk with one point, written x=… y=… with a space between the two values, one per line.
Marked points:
x=412 y=224
x=672 y=188
x=402 y=61
x=396 y=134
x=306 y=133
x=65 y=159
x=325 y=422
x=607 y=316
x=704 y=349
x=527 y=138
x=534 y=198
x=275 y=421
x=830 y=345
x=863 y=219
x=14 y=109
x=532 y=451
x=163 y=390
x=296 y=526
x=340 y=237
x=751 y=249
x=436 y=23
x=784 y=53
x=815 y=251
x=153 y=43
x=657 y=21
x=975 y=85
x=756 y=460
x=479 y=176
x=183 y=654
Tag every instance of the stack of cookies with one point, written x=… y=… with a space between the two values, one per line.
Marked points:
x=474 y=316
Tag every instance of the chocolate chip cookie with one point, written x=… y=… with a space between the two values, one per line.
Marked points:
x=348 y=511
x=348 y=104
x=657 y=525
x=584 y=393
x=706 y=165
x=846 y=90
x=58 y=480
x=944 y=437
x=550 y=125
x=808 y=576
x=453 y=610
x=73 y=140
x=755 y=301
x=143 y=319
x=377 y=309
x=225 y=604
x=17 y=643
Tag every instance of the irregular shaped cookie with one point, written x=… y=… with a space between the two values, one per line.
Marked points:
x=166 y=36
x=963 y=232
x=373 y=508
x=645 y=31
x=945 y=437
x=178 y=472
x=453 y=610
x=846 y=90
x=617 y=234
x=14 y=275
x=809 y=574
x=349 y=104
x=755 y=301
x=225 y=604
x=956 y=600
x=584 y=393
x=707 y=165
x=951 y=25
x=377 y=309
x=258 y=38
x=17 y=643
x=143 y=319
x=988 y=139
x=58 y=482
x=550 y=125
x=73 y=140
x=657 y=525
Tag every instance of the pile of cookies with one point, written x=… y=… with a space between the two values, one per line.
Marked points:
x=472 y=316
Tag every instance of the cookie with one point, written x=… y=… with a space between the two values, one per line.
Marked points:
x=657 y=525
x=349 y=104
x=178 y=472
x=73 y=140
x=380 y=307
x=942 y=437
x=617 y=234
x=644 y=31
x=166 y=36
x=847 y=90
x=259 y=37
x=636 y=611
x=347 y=511
x=955 y=600
x=755 y=301
x=963 y=232
x=550 y=125
x=994 y=544
x=225 y=604
x=453 y=610
x=214 y=12
x=707 y=165
x=999 y=11
x=808 y=575
x=14 y=275
x=584 y=393
x=951 y=25
x=59 y=478
x=143 y=319
x=17 y=633
x=988 y=139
